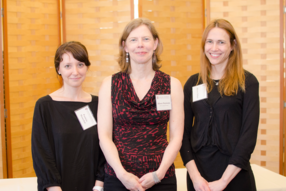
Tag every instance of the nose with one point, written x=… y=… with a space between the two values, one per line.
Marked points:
x=75 y=71
x=214 y=46
x=140 y=43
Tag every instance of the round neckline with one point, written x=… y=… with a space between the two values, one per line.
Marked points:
x=71 y=101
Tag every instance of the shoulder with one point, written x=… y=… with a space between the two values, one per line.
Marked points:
x=175 y=82
x=105 y=88
x=94 y=98
x=107 y=81
x=192 y=81
x=250 y=79
x=44 y=100
x=118 y=75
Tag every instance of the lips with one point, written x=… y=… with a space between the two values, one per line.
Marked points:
x=74 y=78
x=141 y=53
x=214 y=55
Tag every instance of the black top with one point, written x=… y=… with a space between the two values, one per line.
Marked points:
x=63 y=153
x=232 y=121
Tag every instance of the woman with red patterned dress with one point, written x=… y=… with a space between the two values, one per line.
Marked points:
x=135 y=106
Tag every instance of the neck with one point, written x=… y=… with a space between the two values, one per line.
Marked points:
x=141 y=71
x=72 y=93
x=217 y=71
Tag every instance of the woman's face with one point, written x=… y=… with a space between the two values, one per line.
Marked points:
x=140 y=45
x=72 y=71
x=218 y=47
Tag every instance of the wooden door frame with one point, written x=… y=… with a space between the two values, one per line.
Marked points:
x=7 y=95
x=2 y=118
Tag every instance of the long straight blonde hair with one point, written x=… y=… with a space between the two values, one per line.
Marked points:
x=234 y=77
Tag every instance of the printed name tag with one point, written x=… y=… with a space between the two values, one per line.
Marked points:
x=85 y=117
x=163 y=102
x=199 y=92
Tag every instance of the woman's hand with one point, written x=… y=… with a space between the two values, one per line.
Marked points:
x=147 y=181
x=54 y=188
x=217 y=185
x=131 y=182
x=200 y=184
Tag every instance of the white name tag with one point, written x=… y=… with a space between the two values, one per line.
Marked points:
x=85 y=117
x=163 y=102
x=199 y=92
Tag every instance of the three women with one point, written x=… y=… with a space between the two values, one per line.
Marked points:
x=221 y=106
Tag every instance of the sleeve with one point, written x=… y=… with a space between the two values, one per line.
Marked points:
x=186 y=149
x=250 y=120
x=43 y=156
x=100 y=168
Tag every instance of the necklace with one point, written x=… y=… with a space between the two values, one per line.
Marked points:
x=216 y=82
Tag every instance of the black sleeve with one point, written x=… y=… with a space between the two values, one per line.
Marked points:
x=100 y=168
x=42 y=152
x=186 y=149
x=100 y=173
x=250 y=120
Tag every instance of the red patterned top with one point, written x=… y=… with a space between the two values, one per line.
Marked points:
x=139 y=130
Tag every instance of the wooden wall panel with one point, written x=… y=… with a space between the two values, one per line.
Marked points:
x=33 y=37
x=97 y=24
x=180 y=25
x=2 y=120
x=257 y=25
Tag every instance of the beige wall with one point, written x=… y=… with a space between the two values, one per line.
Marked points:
x=257 y=25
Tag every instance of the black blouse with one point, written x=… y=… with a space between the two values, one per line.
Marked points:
x=63 y=153
x=233 y=121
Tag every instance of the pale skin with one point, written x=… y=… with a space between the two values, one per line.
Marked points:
x=73 y=74
x=140 y=45
x=217 y=50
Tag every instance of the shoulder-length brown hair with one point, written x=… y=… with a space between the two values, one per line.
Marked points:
x=234 y=78
x=125 y=66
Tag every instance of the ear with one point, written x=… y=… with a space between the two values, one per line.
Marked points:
x=58 y=70
x=123 y=46
x=156 y=44
x=234 y=44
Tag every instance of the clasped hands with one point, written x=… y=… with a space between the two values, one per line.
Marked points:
x=200 y=184
x=133 y=183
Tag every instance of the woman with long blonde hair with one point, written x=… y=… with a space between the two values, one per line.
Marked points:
x=221 y=115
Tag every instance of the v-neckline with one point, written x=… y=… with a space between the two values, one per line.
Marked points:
x=133 y=89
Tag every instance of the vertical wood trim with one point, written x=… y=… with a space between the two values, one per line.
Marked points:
x=282 y=155
x=131 y=9
x=140 y=8
x=64 y=21
x=2 y=119
x=281 y=88
x=204 y=13
x=59 y=21
x=208 y=8
x=7 y=93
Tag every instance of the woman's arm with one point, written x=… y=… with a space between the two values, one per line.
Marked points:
x=105 y=130
x=176 y=133
x=42 y=153
x=186 y=151
x=230 y=172
x=248 y=134
x=199 y=183
x=98 y=183
x=54 y=188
